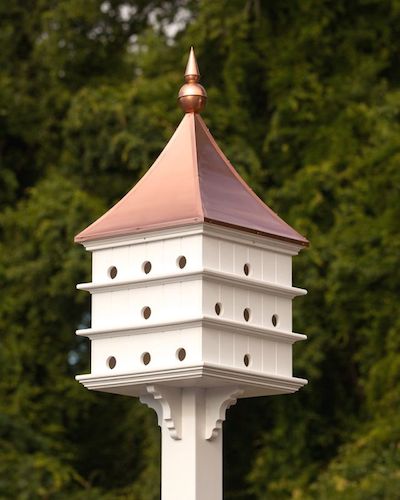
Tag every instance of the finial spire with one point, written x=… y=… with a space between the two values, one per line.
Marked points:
x=192 y=96
x=192 y=69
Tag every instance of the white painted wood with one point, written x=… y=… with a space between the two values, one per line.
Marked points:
x=219 y=324
x=201 y=375
x=255 y=261
x=284 y=360
x=255 y=351
x=218 y=400
x=162 y=347
x=191 y=468
x=206 y=229
x=197 y=350
x=167 y=403
x=269 y=356
x=205 y=274
x=226 y=256
x=268 y=266
x=241 y=257
x=191 y=444
x=241 y=348
x=283 y=269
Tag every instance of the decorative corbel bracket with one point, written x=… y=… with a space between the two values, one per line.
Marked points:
x=218 y=400
x=167 y=403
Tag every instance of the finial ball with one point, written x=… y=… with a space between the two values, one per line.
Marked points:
x=192 y=96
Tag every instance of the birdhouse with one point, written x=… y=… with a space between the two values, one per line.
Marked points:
x=191 y=298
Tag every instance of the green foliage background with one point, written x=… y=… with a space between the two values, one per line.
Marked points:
x=304 y=98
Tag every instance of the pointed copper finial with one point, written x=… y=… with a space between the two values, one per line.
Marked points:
x=192 y=70
x=192 y=96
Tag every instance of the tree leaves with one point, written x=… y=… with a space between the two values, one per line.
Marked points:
x=304 y=99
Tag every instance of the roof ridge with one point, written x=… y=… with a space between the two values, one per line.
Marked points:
x=196 y=161
x=240 y=179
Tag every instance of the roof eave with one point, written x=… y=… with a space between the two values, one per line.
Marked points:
x=298 y=241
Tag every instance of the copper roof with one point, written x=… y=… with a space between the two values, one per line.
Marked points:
x=191 y=181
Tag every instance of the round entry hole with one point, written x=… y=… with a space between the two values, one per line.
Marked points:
x=111 y=362
x=275 y=319
x=146 y=267
x=181 y=261
x=146 y=312
x=246 y=314
x=246 y=359
x=218 y=308
x=112 y=272
x=181 y=354
x=146 y=358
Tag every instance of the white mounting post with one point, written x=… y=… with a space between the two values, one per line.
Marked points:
x=191 y=439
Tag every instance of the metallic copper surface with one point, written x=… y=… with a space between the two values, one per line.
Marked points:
x=191 y=182
x=192 y=69
x=192 y=96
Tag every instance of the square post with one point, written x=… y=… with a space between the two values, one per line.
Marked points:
x=191 y=439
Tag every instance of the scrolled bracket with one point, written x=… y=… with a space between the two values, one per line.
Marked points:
x=218 y=401
x=167 y=403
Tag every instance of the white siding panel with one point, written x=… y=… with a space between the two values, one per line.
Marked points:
x=226 y=257
x=284 y=269
x=284 y=360
x=268 y=356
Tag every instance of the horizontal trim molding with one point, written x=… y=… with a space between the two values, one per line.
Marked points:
x=202 y=375
x=255 y=240
x=145 y=236
x=207 y=229
x=205 y=322
x=204 y=274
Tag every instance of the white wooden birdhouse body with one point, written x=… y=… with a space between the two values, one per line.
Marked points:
x=202 y=305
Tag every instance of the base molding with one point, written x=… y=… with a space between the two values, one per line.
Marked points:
x=204 y=375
